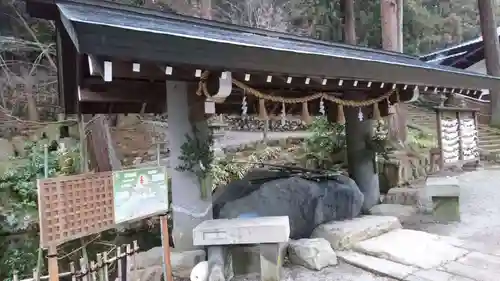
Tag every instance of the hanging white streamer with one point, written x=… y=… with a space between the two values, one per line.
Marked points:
x=244 y=106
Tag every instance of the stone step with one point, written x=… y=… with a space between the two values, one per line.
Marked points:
x=488 y=136
x=343 y=235
x=400 y=246
x=490 y=146
x=377 y=265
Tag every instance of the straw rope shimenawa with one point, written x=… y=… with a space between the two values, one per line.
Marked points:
x=203 y=90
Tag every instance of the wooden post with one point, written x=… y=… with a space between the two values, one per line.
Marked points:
x=119 y=271
x=73 y=271
x=53 y=264
x=84 y=270
x=106 y=264
x=165 y=239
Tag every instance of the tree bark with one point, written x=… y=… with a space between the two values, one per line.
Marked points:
x=390 y=32
x=491 y=52
x=349 y=22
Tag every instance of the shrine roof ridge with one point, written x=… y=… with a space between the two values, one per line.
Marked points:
x=126 y=32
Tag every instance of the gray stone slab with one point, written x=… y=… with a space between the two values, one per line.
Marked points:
x=402 y=212
x=410 y=247
x=480 y=260
x=377 y=265
x=442 y=187
x=242 y=231
x=344 y=234
x=474 y=273
x=435 y=275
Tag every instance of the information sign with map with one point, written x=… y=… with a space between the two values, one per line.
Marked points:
x=140 y=193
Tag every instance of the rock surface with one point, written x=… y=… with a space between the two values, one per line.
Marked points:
x=344 y=234
x=307 y=203
x=402 y=212
x=314 y=254
x=182 y=262
x=404 y=196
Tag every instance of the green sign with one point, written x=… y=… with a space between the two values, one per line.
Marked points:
x=140 y=193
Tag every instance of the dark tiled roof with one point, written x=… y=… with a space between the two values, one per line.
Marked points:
x=134 y=33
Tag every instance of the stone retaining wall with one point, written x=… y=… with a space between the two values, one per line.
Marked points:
x=402 y=169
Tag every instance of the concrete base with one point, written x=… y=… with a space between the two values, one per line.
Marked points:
x=445 y=195
x=446 y=209
x=229 y=252
x=271 y=262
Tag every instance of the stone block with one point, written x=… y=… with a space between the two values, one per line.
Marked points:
x=472 y=272
x=445 y=195
x=242 y=231
x=442 y=187
x=429 y=275
x=411 y=247
x=271 y=261
x=314 y=254
x=219 y=264
x=378 y=265
x=344 y=234
x=446 y=209
x=403 y=196
x=402 y=212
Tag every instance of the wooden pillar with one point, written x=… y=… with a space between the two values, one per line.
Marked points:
x=360 y=160
x=189 y=209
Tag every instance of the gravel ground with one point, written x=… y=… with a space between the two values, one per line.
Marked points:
x=479 y=208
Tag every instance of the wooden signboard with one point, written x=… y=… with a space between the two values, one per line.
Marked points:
x=71 y=207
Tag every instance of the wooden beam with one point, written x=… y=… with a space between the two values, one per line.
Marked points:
x=116 y=96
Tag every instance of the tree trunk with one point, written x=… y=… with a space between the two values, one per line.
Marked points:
x=390 y=32
x=400 y=12
x=349 y=21
x=491 y=52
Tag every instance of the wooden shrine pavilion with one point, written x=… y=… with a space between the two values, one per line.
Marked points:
x=121 y=59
